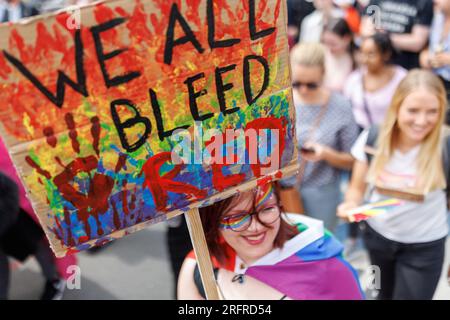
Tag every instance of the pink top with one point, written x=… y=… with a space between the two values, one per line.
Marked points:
x=377 y=102
x=7 y=167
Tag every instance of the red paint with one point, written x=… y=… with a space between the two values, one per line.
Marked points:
x=50 y=137
x=72 y=251
x=103 y=14
x=120 y=162
x=17 y=41
x=133 y=200
x=72 y=132
x=71 y=241
x=100 y=188
x=48 y=43
x=278 y=174
x=221 y=181
x=137 y=24
x=96 y=201
x=116 y=216
x=159 y=185
x=359 y=217
x=5 y=70
x=62 y=19
x=143 y=31
x=264 y=181
x=95 y=132
x=51 y=47
x=52 y=43
x=266 y=123
x=83 y=239
x=35 y=166
x=125 y=198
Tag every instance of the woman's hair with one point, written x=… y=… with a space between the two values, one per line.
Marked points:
x=429 y=160
x=308 y=54
x=339 y=27
x=212 y=215
x=384 y=45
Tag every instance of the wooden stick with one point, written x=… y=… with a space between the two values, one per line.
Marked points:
x=202 y=253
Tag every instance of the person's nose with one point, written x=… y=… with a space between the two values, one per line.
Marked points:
x=421 y=119
x=364 y=59
x=303 y=90
x=254 y=224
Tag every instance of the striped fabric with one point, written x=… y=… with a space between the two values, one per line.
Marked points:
x=310 y=266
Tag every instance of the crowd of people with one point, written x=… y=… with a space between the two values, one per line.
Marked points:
x=370 y=88
x=370 y=84
x=387 y=62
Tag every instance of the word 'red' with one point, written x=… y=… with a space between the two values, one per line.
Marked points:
x=175 y=18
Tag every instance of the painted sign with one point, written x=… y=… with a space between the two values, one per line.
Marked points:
x=143 y=109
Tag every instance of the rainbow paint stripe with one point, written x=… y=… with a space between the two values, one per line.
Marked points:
x=373 y=209
x=265 y=196
x=236 y=221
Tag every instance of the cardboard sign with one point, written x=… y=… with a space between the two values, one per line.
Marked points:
x=127 y=112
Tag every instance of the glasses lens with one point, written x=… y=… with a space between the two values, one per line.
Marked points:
x=242 y=222
x=239 y=222
x=269 y=215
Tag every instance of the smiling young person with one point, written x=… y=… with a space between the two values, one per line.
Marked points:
x=269 y=254
x=408 y=243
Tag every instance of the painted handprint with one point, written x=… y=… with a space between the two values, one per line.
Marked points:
x=89 y=196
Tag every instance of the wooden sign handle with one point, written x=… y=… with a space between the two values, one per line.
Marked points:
x=202 y=253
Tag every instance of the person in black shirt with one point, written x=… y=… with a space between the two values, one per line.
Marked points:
x=20 y=238
x=297 y=11
x=407 y=21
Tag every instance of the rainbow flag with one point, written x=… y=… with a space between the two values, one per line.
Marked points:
x=373 y=209
x=310 y=266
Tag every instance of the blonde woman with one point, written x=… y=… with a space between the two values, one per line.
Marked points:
x=325 y=130
x=408 y=243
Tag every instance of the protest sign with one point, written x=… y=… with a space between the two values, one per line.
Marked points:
x=142 y=110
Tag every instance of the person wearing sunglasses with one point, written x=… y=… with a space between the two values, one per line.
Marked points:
x=325 y=130
x=260 y=252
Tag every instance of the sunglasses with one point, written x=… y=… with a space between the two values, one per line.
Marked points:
x=309 y=85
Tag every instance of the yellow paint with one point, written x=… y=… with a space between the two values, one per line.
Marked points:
x=191 y=66
x=259 y=49
x=27 y=124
